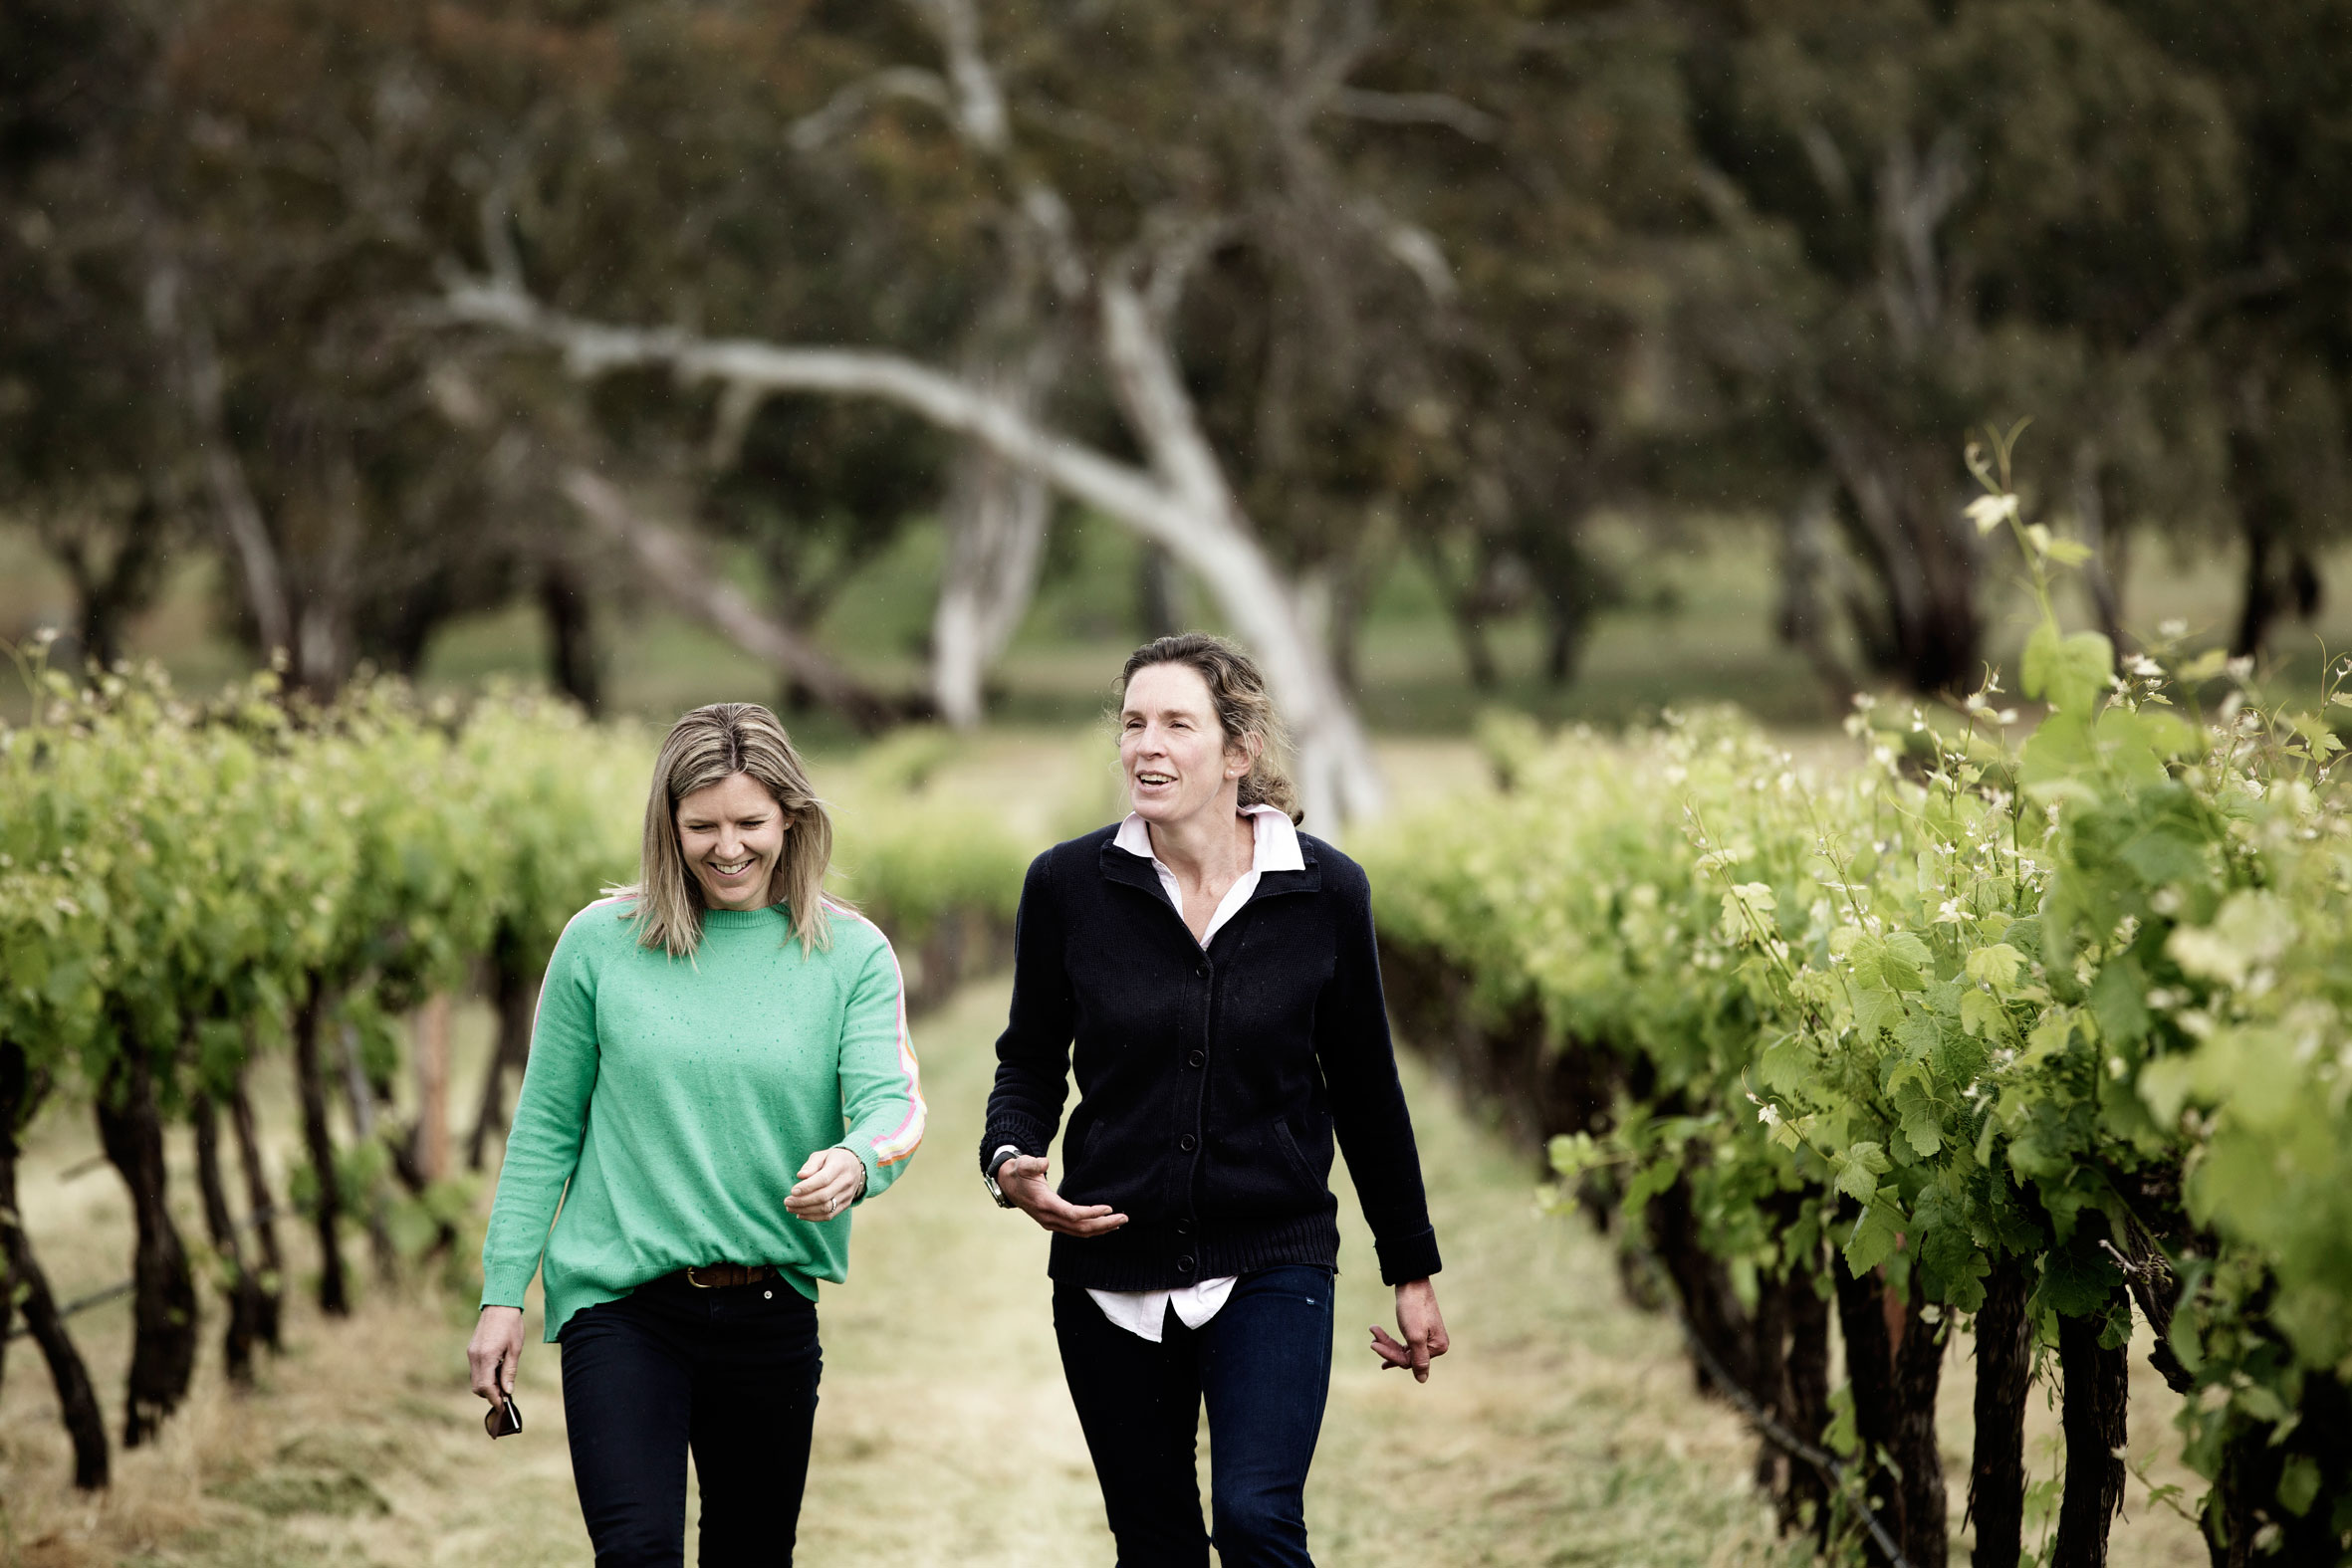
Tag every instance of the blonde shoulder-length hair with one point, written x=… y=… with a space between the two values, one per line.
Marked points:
x=704 y=748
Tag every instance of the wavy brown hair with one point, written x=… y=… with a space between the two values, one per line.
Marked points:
x=1244 y=708
x=705 y=747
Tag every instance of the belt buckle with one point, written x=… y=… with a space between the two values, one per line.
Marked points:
x=724 y=1275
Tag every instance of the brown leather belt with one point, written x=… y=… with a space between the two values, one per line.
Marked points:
x=721 y=1277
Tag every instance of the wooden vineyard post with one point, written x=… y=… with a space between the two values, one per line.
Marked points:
x=432 y=1087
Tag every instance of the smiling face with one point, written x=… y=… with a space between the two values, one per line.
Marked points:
x=1174 y=753
x=731 y=835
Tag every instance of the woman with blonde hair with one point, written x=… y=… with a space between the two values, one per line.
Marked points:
x=1208 y=972
x=720 y=1071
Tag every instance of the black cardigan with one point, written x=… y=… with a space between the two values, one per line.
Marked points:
x=1210 y=1085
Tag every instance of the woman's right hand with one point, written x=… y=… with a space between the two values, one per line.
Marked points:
x=1022 y=1180
x=496 y=1350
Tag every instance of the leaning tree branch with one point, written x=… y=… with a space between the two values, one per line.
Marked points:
x=670 y=562
x=848 y=105
x=1415 y=108
x=591 y=349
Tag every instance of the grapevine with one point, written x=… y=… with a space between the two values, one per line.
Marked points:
x=2024 y=1034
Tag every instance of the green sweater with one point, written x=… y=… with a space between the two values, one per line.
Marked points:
x=680 y=1097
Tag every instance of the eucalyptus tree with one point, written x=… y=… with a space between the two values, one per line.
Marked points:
x=1948 y=211
x=86 y=458
x=1171 y=177
x=2275 y=339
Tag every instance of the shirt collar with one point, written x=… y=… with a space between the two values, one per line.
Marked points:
x=1277 y=846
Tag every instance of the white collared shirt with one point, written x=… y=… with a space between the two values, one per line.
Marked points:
x=1145 y=1311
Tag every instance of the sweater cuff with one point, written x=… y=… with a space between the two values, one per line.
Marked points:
x=1023 y=1135
x=1404 y=1258
x=865 y=1157
x=503 y=1289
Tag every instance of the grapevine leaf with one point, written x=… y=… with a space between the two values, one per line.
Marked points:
x=1858 y=1171
x=1923 y=1126
x=2165 y=1085
x=1876 y=1008
x=2077 y=1280
x=2040 y=660
x=2119 y=1000
x=1745 y=907
x=1953 y=1262
x=2168 y=851
x=2298 y=1484
x=1996 y=965
x=2026 y=936
x=2260 y=1403
x=2206 y=665
x=1787 y=1065
x=2084 y=665
x=1874 y=1237
x=2251 y=929
x=1982 y=1014
x=2050 y=1036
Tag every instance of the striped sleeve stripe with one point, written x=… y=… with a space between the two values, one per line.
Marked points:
x=907 y=1136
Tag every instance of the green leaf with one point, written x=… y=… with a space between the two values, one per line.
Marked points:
x=2164 y=1087
x=1996 y=965
x=2251 y=929
x=1904 y=961
x=1876 y=1008
x=1981 y=1014
x=2206 y=665
x=1923 y=1127
x=2077 y=1280
x=1787 y=1064
x=2084 y=667
x=2298 y=1484
x=2040 y=660
x=1860 y=1169
x=2050 y=1036
x=1874 y=1237
x=2119 y=1000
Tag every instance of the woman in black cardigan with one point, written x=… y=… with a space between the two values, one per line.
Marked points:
x=1216 y=972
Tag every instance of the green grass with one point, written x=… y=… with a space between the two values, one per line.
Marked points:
x=1562 y=1429
x=1696 y=627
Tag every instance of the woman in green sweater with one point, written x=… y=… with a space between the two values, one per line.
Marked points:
x=719 y=1073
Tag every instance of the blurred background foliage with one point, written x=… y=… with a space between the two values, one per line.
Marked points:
x=1586 y=355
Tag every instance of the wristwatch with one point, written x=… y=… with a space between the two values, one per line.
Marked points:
x=988 y=1178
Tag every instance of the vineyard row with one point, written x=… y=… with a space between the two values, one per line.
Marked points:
x=187 y=886
x=2016 y=1037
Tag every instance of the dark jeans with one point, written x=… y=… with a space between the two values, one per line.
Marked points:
x=731 y=1374
x=1264 y=1366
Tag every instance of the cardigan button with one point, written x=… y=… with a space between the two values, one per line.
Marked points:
x=1184 y=1264
x=1199 y=1058
x=1188 y=1143
x=1184 y=1227
x=1203 y=970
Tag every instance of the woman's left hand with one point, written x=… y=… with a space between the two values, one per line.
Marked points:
x=1423 y=1326
x=828 y=1183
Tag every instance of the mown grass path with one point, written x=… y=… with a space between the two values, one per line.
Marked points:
x=1561 y=1431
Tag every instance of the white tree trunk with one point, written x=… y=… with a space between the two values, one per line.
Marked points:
x=1338 y=780
x=995 y=515
x=1183 y=505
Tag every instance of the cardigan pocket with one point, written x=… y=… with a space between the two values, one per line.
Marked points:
x=1288 y=1142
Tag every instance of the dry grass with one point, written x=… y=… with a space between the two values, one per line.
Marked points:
x=1562 y=1431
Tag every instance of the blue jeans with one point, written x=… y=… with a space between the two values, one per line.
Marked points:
x=730 y=1374
x=1263 y=1365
